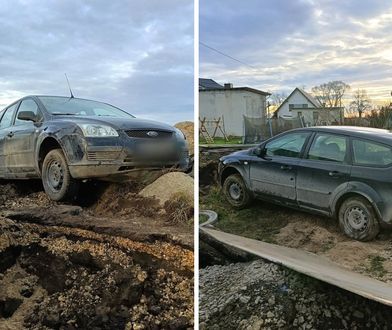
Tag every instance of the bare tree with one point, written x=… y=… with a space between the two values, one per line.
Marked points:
x=278 y=98
x=360 y=103
x=330 y=94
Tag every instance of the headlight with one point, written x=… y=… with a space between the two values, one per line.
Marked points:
x=96 y=130
x=180 y=134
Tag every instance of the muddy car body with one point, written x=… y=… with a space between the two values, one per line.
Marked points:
x=343 y=172
x=85 y=139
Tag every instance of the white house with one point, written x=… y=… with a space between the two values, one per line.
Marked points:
x=302 y=104
x=230 y=104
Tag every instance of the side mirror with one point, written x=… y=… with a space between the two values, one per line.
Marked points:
x=259 y=151
x=27 y=115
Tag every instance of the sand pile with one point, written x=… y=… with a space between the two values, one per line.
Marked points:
x=169 y=185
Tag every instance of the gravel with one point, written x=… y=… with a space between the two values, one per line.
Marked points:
x=262 y=295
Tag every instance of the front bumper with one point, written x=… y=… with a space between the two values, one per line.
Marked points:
x=107 y=157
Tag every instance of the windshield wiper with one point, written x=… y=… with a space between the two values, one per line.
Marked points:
x=63 y=114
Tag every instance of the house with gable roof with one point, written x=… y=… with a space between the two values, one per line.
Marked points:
x=302 y=104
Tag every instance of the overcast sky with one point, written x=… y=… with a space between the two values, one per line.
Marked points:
x=137 y=55
x=299 y=43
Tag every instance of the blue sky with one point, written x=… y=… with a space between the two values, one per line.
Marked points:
x=299 y=43
x=137 y=55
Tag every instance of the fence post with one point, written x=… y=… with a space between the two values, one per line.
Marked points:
x=270 y=127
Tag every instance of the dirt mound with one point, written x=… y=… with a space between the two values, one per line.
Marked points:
x=59 y=278
x=168 y=185
x=122 y=200
x=188 y=128
x=307 y=236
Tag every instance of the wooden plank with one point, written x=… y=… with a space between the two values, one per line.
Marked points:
x=309 y=264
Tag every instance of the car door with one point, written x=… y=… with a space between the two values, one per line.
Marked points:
x=5 y=124
x=21 y=140
x=325 y=168
x=273 y=174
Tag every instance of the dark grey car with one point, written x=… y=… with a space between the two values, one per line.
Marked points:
x=64 y=140
x=343 y=172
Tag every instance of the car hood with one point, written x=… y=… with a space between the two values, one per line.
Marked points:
x=117 y=123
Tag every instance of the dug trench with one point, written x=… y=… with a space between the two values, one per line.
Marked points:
x=240 y=291
x=111 y=260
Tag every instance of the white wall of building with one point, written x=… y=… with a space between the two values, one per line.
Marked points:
x=232 y=105
x=296 y=98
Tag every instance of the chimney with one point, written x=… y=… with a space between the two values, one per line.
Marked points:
x=228 y=85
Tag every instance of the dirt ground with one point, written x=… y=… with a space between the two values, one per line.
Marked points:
x=111 y=260
x=292 y=228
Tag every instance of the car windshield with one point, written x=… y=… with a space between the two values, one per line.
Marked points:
x=57 y=105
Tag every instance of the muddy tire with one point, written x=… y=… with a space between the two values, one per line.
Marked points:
x=358 y=220
x=236 y=192
x=57 y=181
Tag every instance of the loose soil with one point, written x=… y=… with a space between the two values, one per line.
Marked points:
x=111 y=260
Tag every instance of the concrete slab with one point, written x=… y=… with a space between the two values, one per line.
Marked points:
x=310 y=264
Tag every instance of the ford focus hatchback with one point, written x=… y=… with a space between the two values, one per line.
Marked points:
x=63 y=140
x=343 y=172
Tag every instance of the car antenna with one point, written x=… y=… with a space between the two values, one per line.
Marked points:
x=69 y=86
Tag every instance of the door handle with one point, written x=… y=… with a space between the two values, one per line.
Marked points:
x=10 y=134
x=336 y=174
x=286 y=167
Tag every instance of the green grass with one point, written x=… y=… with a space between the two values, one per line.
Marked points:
x=221 y=140
x=203 y=218
x=260 y=221
x=377 y=266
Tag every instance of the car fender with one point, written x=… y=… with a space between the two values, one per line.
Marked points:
x=359 y=188
x=240 y=167
x=70 y=140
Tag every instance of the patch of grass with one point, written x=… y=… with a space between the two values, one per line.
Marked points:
x=221 y=140
x=179 y=209
x=203 y=218
x=261 y=221
x=377 y=266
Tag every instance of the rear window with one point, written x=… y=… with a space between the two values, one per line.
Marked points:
x=370 y=153
x=328 y=147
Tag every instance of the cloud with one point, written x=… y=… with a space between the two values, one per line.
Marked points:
x=296 y=43
x=122 y=52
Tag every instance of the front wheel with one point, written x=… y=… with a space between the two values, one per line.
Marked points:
x=57 y=181
x=358 y=220
x=236 y=192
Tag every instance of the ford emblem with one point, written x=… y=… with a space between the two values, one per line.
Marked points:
x=152 y=134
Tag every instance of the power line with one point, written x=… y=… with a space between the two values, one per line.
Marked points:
x=226 y=55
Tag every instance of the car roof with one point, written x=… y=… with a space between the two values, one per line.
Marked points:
x=376 y=134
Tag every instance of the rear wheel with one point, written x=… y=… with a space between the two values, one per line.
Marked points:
x=236 y=192
x=57 y=181
x=358 y=220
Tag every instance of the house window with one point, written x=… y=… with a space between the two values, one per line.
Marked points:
x=315 y=116
x=299 y=114
x=305 y=105
x=291 y=106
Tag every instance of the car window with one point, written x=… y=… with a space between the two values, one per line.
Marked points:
x=371 y=153
x=328 y=147
x=6 y=120
x=28 y=105
x=289 y=145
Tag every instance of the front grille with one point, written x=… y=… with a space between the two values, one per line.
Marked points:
x=103 y=155
x=149 y=134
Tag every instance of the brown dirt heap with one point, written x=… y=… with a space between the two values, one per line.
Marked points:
x=168 y=185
